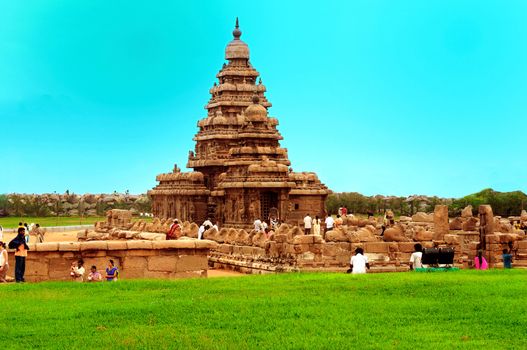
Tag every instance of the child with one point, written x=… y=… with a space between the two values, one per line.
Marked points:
x=480 y=262
x=94 y=275
x=507 y=259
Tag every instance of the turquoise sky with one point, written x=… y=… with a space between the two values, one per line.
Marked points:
x=390 y=97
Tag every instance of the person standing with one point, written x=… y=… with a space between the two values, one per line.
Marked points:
x=39 y=233
x=19 y=244
x=4 y=262
x=307 y=224
x=359 y=262
x=316 y=226
x=507 y=259
x=26 y=234
x=480 y=263
x=330 y=222
x=1 y=233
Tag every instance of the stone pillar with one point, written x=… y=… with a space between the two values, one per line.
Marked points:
x=440 y=222
x=486 y=227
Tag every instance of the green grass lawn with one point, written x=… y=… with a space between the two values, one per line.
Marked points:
x=454 y=310
x=12 y=221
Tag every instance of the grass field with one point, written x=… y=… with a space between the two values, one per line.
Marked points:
x=455 y=310
x=12 y=221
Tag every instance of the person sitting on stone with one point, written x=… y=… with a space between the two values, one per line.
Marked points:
x=359 y=262
x=202 y=230
x=112 y=273
x=207 y=222
x=416 y=257
x=174 y=232
x=77 y=270
x=257 y=225
x=94 y=275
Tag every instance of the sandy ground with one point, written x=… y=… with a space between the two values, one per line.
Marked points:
x=71 y=236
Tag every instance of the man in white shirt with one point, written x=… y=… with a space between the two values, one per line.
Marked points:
x=359 y=262
x=416 y=257
x=207 y=223
x=330 y=222
x=307 y=224
x=257 y=225
x=201 y=231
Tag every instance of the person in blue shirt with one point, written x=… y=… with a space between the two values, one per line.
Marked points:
x=111 y=272
x=507 y=259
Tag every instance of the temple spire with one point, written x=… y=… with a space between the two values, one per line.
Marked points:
x=237 y=32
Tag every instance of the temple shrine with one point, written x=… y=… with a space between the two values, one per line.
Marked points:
x=240 y=171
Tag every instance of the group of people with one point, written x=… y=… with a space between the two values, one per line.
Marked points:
x=77 y=272
x=312 y=225
x=30 y=230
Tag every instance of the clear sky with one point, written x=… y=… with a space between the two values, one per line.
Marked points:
x=376 y=96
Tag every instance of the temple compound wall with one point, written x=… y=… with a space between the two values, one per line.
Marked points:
x=135 y=259
x=240 y=171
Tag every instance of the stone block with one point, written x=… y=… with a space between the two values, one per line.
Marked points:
x=191 y=263
x=406 y=247
x=280 y=238
x=493 y=238
x=162 y=263
x=47 y=247
x=376 y=247
x=117 y=245
x=140 y=244
x=59 y=269
x=138 y=252
x=134 y=262
x=132 y=273
x=301 y=248
x=316 y=248
x=94 y=245
x=36 y=268
x=330 y=249
x=158 y=274
x=228 y=249
x=344 y=246
x=189 y=244
x=69 y=246
x=451 y=239
x=303 y=239
x=522 y=244
x=206 y=244
x=94 y=253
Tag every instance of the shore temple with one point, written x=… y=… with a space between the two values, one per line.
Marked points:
x=240 y=171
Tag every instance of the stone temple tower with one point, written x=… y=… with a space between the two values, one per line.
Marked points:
x=240 y=171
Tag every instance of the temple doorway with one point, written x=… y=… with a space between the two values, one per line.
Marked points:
x=268 y=200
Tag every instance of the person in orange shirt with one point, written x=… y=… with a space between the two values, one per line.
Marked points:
x=19 y=243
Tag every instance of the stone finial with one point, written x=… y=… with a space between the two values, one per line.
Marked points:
x=256 y=99
x=237 y=33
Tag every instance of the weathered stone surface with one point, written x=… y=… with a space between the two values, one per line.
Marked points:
x=162 y=263
x=303 y=239
x=422 y=235
x=523 y=215
x=377 y=247
x=94 y=245
x=337 y=235
x=69 y=246
x=440 y=221
x=423 y=217
x=139 y=245
x=395 y=234
x=451 y=239
x=191 y=263
x=47 y=247
x=467 y=212
x=117 y=245
x=181 y=244
x=134 y=262
x=456 y=224
x=470 y=224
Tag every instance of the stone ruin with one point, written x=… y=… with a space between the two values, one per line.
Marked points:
x=240 y=171
x=288 y=249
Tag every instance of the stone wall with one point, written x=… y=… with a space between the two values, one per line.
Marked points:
x=135 y=259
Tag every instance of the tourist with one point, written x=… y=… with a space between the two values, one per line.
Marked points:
x=77 y=270
x=344 y=212
x=480 y=263
x=264 y=227
x=307 y=224
x=26 y=234
x=257 y=225
x=207 y=223
x=1 y=233
x=39 y=233
x=174 y=232
x=274 y=223
x=19 y=244
x=330 y=222
x=4 y=262
x=201 y=231
x=316 y=226
x=359 y=262
x=112 y=273
x=94 y=275
x=507 y=259
x=416 y=257
x=338 y=221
